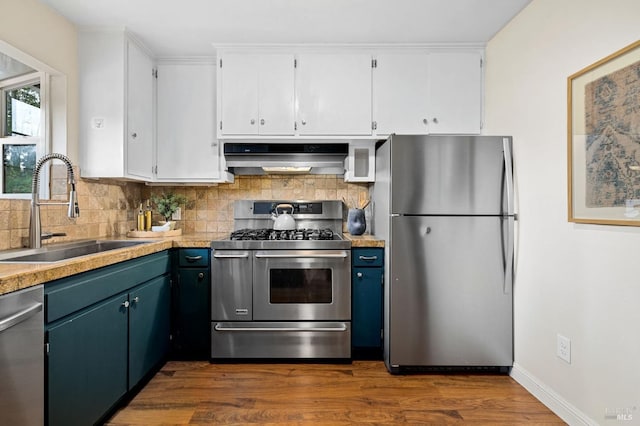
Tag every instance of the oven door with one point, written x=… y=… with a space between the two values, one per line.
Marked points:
x=302 y=285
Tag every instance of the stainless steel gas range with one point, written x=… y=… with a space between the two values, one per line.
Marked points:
x=282 y=294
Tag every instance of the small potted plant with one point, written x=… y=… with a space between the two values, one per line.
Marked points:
x=168 y=204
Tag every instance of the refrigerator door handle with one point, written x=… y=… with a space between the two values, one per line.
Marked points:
x=508 y=259
x=508 y=165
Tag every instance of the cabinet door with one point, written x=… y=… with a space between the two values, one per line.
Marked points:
x=187 y=148
x=276 y=94
x=400 y=98
x=455 y=92
x=192 y=315
x=333 y=92
x=239 y=94
x=87 y=364
x=139 y=137
x=149 y=322
x=366 y=280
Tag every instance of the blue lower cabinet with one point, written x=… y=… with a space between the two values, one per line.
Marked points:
x=106 y=330
x=149 y=327
x=87 y=364
x=192 y=304
x=367 y=295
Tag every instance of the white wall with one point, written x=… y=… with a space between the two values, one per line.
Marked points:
x=40 y=32
x=582 y=281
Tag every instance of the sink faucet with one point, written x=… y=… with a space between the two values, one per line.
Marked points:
x=35 y=231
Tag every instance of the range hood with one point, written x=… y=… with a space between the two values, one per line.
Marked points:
x=285 y=158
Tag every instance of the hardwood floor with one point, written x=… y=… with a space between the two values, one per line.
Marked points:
x=200 y=393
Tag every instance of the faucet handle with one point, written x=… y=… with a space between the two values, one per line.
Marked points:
x=47 y=235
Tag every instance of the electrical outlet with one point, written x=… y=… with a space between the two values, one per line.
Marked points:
x=177 y=215
x=563 y=349
x=97 y=123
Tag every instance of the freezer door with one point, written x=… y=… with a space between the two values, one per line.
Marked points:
x=450 y=303
x=451 y=175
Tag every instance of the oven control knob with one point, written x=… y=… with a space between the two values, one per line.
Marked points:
x=359 y=274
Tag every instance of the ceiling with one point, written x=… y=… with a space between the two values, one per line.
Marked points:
x=194 y=27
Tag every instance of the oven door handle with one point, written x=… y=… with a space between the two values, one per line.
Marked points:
x=302 y=254
x=340 y=328
x=231 y=256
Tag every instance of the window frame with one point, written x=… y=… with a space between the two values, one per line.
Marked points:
x=42 y=142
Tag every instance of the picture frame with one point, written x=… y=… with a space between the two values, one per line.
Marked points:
x=604 y=140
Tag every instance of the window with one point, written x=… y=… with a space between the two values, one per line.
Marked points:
x=22 y=140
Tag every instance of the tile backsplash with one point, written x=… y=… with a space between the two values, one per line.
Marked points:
x=211 y=208
x=108 y=208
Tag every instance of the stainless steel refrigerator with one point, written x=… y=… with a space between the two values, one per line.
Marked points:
x=444 y=205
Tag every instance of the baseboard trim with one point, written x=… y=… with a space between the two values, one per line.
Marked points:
x=548 y=397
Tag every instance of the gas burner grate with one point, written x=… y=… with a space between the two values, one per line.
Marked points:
x=290 y=235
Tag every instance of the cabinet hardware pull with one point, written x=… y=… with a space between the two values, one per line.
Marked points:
x=192 y=259
x=134 y=135
x=136 y=300
x=368 y=257
x=201 y=276
x=262 y=121
x=253 y=121
x=359 y=274
x=125 y=304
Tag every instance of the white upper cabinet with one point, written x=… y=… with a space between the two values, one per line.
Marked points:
x=116 y=106
x=187 y=148
x=333 y=94
x=400 y=93
x=256 y=94
x=276 y=96
x=455 y=92
x=140 y=90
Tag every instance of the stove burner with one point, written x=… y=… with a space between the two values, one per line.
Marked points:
x=292 y=235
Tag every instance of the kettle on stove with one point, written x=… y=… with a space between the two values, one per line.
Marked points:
x=283 y=221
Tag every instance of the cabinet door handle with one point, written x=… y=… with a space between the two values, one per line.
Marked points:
x=192 y=259
x=359 y=274
x=262 y=121
x=135 y=300
x=200 y=276
x=304 y=122
x=368 y=257
x=435 y=120
x=253 y=121
x=134 y=135
x=125 y=304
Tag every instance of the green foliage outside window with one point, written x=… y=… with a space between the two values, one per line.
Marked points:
x=18 y=164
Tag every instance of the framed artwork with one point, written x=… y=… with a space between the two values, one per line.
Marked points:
x=604 y=140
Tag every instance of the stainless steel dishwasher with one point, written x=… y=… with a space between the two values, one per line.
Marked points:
x=22 y=357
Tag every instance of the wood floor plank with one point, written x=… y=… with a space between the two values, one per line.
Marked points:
x=201 y=393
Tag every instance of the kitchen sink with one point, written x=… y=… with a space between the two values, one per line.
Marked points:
x=66 y=251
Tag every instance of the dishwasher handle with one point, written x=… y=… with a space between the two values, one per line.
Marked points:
x=19 y=317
